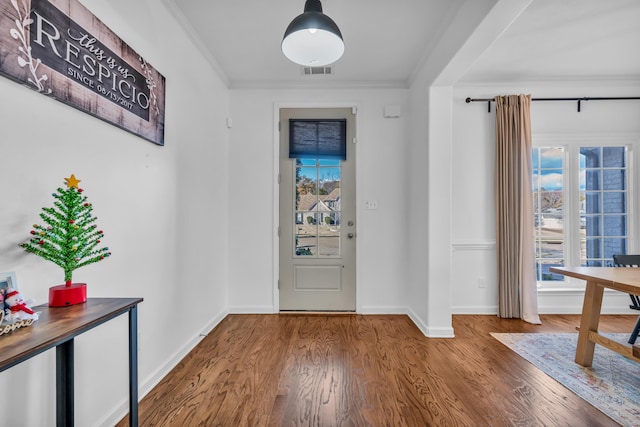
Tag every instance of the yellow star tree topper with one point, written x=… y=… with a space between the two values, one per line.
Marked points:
x=72 y=181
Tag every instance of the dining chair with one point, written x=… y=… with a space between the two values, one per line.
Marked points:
x=630 y=261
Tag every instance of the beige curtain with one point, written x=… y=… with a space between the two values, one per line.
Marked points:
x=518 y=297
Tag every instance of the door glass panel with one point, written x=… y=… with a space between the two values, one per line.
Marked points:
x=317 y=217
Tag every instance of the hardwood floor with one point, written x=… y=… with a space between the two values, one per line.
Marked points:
x=354 y=370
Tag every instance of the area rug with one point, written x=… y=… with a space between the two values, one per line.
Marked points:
x=612 y=384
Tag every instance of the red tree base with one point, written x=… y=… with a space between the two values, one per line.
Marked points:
x=64 y=295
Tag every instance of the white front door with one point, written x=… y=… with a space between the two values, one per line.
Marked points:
x=317 y=220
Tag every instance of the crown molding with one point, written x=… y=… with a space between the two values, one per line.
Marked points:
x=321 y=84
x=559 y=81
x=176 y=12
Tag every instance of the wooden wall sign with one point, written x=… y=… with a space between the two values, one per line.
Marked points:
x=58 y=48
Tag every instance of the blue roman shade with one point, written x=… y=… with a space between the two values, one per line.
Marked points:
x=318 y=138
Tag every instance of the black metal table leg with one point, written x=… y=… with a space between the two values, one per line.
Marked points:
x=635 y=333
x=64 y=384
x=133 y=366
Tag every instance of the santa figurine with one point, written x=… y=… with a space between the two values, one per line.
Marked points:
x=17 y=308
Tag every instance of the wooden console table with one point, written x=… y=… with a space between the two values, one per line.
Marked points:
x=623 y=279
x=57 y=327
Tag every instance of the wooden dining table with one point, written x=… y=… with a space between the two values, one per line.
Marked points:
x=623 y=279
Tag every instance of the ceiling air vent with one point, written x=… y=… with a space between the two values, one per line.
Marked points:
x=317 y=71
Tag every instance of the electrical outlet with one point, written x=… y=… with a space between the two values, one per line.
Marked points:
x=371 y=204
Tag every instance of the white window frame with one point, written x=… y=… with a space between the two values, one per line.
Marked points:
x=571 y=210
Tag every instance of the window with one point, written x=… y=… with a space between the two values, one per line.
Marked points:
x=581 y=206
x=603 y=209
x=318 y=147
x=318 y=212
x=548 y=207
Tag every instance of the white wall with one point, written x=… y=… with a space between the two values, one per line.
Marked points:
x=475 y=25
x=380 y=175
x=418 y=206
x=429 y=163
x=473 y=151
x=192 y=225
x=163 y=209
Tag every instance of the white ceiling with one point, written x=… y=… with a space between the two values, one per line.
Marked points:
x=387 y=42
x=566 y=39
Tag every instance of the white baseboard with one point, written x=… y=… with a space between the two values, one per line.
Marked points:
x=475 y=310
x=562 y=302
x=430 y=331
x=252 y=309
x=121 y=410
x=570 y=302
x=155 y=377
x=383 y=310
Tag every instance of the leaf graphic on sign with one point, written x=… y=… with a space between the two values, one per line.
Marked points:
x=20 y=33
x=14 y=33
x=151 y=84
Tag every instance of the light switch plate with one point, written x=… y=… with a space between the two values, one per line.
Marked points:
x=371 y=204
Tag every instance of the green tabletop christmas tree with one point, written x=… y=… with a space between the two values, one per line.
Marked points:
x=70 y=237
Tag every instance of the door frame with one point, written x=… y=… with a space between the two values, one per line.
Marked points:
x=276 y=191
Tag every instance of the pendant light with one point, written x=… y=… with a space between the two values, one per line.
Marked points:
x=312 y=38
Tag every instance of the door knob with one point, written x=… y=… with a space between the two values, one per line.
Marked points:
x=350 y=235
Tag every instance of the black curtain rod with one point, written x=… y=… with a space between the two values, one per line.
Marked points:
x=579 y=100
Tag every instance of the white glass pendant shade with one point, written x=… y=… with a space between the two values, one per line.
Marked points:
x=313 y=49
x=313 y=39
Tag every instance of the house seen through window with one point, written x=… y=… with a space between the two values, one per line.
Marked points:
x=580 y=206
x=318 y=211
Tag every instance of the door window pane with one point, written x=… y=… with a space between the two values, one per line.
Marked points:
x=318 y=212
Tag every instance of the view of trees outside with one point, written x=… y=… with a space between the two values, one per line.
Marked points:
x=602 y=212
x=317 y=219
